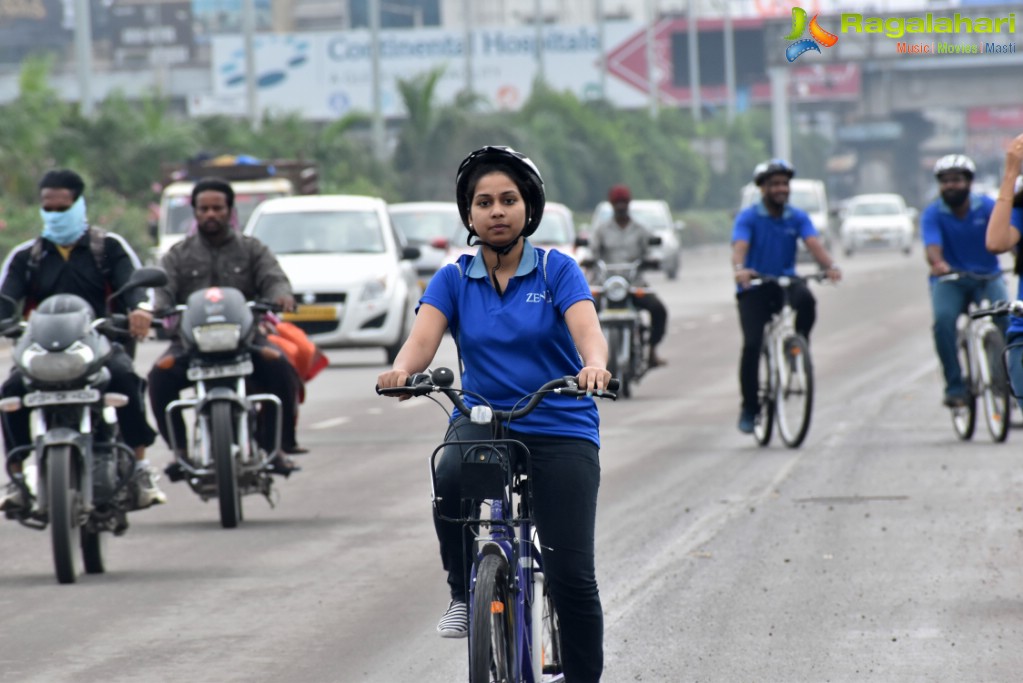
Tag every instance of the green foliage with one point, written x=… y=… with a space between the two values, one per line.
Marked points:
x=582 y=148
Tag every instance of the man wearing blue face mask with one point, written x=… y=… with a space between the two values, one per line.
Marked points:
x=72 y=257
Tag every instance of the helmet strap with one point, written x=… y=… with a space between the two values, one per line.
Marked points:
x=500 y=251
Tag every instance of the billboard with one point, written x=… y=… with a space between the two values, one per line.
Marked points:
x=31 y=25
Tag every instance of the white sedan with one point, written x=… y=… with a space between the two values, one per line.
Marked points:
x=352 y=273
x=877 y=220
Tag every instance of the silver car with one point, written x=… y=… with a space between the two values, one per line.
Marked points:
x=655 y=216
x=429 y=226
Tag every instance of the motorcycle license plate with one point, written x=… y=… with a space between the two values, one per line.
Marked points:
x=309 y=313
x=50 y=398
x=616 y=315
x=216 y=371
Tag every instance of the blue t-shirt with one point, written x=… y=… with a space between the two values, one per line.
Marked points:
x=961 y=239
x=1016 y=324
x=513 y=344
x=772 y=239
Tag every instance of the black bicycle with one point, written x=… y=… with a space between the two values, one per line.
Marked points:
x=514 y=635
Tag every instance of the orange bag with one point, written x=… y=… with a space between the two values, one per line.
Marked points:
x=304 y=355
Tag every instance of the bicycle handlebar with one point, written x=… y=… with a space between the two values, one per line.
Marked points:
x=965 y=275
x=441 y=379
x=1014 y=308
x=786 y=280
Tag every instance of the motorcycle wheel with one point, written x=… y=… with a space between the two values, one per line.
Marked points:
x=226 y=465
x=617 y=368
x=62 y=492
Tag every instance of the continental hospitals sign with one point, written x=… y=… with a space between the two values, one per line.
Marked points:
x=325 y=75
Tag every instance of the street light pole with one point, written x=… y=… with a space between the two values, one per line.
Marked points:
x=248 y=31
x=651 y=59
x=83 y=55
x=538 y=19
x=467 y=13
x=694 y=61
x=601 y=45
x=729 y=62
x=378 y=114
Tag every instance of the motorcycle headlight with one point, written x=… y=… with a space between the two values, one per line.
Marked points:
x=215 y=338
x=616 y=289
x=374 y=289
x=56 y=366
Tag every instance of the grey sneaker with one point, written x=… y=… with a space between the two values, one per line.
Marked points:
x=455 y=622
x=149 y=493
x=13 y=499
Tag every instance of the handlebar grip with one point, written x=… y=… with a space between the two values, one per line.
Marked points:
x=614 y=385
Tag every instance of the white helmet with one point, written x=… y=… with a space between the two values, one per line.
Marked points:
x=955 y=162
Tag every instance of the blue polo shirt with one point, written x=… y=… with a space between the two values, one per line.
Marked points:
x=1016 y=324
x=772 y=239
x=961 y=239
x=513 y=344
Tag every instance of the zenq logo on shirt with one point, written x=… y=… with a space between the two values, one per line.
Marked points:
x=537 y=297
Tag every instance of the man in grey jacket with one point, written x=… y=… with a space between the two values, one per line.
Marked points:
x=620 y=239
x=218 y=256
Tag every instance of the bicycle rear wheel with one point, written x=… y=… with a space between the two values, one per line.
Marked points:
x=794 y=403
x=491 y=632
x=995 y=393
x=764 y=423
x=964 y=419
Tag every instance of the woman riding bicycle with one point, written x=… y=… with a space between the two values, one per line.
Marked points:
x=520 y=317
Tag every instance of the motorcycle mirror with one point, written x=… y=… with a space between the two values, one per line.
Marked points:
x=142 y=277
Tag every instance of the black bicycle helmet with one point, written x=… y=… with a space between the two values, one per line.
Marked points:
x=526 y=175
x=768 y=168
x=955 y=162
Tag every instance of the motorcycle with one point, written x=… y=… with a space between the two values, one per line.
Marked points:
x=626 y=327
x=83 y=484
x=223 y=459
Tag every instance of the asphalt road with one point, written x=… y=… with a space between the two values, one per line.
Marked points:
x=882 y=550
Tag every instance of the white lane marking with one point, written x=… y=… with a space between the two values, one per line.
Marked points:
x=332 y=422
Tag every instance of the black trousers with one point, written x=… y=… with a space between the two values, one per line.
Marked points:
x=566 y=476
x=273 y=376
x=658 y=316
x=131 y=418
x=756 y=306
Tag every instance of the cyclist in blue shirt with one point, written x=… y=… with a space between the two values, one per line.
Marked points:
x=1003 y=233
x=520 y=317
x=953 y=228
x=764 y=241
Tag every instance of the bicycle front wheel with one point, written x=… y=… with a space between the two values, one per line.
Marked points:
x=794 y=393
x=995 y=393
x=964 y=418
x=764 y=423
x=550 y=636
x=491 y=632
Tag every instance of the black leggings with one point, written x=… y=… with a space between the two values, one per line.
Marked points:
x=566 y=476
x=756 y=306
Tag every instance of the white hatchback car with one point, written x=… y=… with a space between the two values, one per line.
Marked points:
x=351 y=272
x=872 y=220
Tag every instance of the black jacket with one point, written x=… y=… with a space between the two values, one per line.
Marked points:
x=80 y=274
